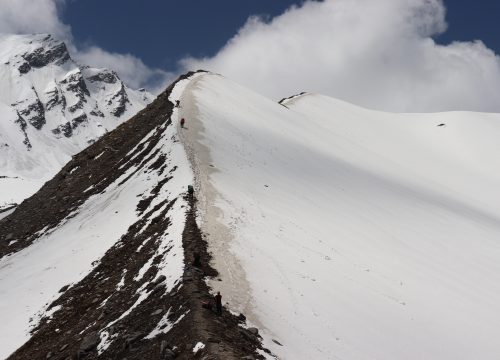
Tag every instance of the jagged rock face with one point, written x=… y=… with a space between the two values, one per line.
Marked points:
x=118 y=100
x=74 y=83
x=49 y=51
x=97 y=112
x=121 y=100
x=22 y=125
x=108 y=77
x=32 y=111
x=55 y=97
x=60 y=106
x=67 y=128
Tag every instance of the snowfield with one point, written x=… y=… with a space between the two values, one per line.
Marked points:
x=340 y=232
x=347 y=233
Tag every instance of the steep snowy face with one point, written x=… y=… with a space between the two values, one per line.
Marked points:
x=51 y=108
x=124 y=192
x=348 y=233
x=106 y=260
x=449 y=152
x=340 y=232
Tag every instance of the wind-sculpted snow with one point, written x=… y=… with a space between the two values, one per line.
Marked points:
x=50 y=109
x=348 y=233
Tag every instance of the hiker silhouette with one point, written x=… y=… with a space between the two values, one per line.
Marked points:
x=218 y=303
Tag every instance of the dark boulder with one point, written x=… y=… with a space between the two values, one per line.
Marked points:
x=253 y=331
x=90 y=342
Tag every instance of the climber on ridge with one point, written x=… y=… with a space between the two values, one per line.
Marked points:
x=218 y=303
x=182 y=122
x=197 y=259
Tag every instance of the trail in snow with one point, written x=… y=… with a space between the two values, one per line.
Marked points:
x=235 y=288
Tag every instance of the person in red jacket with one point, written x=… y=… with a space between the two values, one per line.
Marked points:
x=182 y=122
x=218 y=303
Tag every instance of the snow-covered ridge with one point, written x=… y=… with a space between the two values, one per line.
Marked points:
x=123 y=192
x=340 y=232
x=51 y=108
x=100 y=259
x=348 y=233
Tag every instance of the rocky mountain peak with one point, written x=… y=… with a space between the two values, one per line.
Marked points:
x=105 y=76
x=47 y=99
x=47 y=51
x=27 y=52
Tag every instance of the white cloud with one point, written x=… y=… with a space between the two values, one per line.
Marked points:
x=130 y=68
x=42 y=16
x=32 y=16
x=379 y=54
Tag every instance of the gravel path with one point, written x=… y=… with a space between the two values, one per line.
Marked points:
x=232 y=281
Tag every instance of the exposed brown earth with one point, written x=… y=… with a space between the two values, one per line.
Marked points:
x=82 y=315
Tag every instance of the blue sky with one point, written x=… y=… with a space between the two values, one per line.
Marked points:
x=391 y=55
x=161 y=32
x=472 y=20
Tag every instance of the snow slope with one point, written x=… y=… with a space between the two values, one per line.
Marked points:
x=50 y=109
x=341 y=232
x=348 y=233
x=30 y=279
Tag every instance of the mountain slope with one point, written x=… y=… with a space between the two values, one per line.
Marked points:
x=349 y=233
x=97 y=263
x=340 y=232
x=50 y=109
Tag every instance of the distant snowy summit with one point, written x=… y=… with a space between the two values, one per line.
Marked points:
x=51 y=108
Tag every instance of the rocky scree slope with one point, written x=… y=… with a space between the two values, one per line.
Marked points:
x=142 y=298
x=51 y=108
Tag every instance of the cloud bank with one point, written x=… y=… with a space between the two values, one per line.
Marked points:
x=42 y=16
x=32 y=16
x=378 y=54
x=130 y=68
